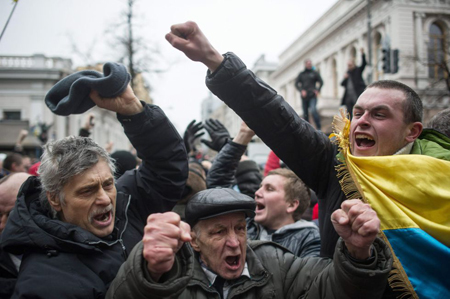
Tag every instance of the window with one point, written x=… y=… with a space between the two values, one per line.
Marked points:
x=11 y=115
x=436 y=52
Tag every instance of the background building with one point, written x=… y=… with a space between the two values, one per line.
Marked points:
x=24 y=82
x=418 y=29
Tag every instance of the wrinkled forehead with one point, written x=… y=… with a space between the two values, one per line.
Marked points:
x=226 y=220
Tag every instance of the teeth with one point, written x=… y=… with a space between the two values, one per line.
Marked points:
x=363 y=136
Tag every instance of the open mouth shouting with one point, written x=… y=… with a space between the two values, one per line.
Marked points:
x=233 y=262
x=102 y=218
x=362 y=144
x=259 y=207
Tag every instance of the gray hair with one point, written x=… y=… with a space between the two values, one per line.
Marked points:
x=64 y=159
x=441 y=122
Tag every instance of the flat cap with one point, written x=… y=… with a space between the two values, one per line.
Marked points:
x=218 y=201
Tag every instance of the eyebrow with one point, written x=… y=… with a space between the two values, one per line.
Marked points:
x=376 y=108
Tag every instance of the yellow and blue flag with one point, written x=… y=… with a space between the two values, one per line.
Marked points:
x=411 y=195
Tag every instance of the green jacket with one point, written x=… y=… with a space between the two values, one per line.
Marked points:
x=432 y=143
x=274 y=273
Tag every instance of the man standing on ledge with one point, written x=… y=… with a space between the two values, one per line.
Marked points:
x=306 y=83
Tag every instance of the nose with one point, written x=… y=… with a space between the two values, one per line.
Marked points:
x=258 y=193
x=232 y=240
x=363 y=120
x=102 y=197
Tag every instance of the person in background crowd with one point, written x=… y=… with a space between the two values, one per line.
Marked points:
x=441 y=122
x=9 y=263
x=308 y=83
x=281 y=199
x=353 y=83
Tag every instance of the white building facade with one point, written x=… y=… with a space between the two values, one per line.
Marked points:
x=414 y=27
x=24 y=82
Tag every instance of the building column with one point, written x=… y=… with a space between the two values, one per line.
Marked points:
x=421 y=70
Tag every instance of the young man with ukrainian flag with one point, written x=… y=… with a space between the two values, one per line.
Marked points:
x=383 y=156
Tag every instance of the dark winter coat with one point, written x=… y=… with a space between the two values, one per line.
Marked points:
x=274 y=273
x=307 y=81
x=227 y=171
x=356 y=76
x=61 y=260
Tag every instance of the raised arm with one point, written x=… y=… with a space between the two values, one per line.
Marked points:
x=223 y=170
x=153 y=261
x=306 y=151
x=159 y=181
x=361 y=262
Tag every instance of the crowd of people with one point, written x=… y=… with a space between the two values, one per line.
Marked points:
x=325 y=218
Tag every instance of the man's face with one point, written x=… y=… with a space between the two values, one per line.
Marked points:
x=377 y=127
x=271 y=206
x=8 y=195
x=18 y=167
x=222 y=244
x=6 y=205
x=350 y=65
x=26 y=162
x=90 y=200
x=308 y=64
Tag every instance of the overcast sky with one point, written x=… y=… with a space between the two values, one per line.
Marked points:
x=247 y=27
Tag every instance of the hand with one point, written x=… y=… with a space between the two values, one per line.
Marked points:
x=109 y=147
x=358 y=225
x=189 y=39
x=346 y=76
x=362 y=50
x=190 y=135
x=89 y=121
x=316 y=92
x=126 y=103
x=22 y=135
x=164 y=235
x=244 y=135
x=218 y=133
x=303 y=92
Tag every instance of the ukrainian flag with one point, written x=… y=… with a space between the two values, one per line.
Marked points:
x=411 y=195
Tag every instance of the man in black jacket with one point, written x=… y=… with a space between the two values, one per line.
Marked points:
x=306 y=83
x=353 y=83
x=75 y=225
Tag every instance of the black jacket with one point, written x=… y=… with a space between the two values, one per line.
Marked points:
x=227 y=170
x=61 y=260
x=307 y=80
x=307 y=152
x=8 y=275
x=356 y=76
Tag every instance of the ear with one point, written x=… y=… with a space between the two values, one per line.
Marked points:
x=292 y=206
x=194 y=241
x=53 y=200
x=415 y=130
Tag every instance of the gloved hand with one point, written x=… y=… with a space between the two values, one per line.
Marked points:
x=190 y=135
x=218 y=133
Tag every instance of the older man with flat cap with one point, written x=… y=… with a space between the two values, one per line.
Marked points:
x=215 y=260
